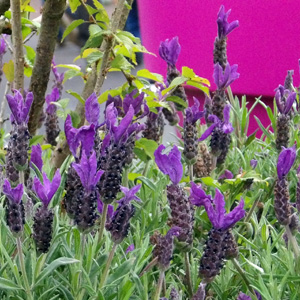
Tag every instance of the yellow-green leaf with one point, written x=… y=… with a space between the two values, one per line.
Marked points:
x=8 y=69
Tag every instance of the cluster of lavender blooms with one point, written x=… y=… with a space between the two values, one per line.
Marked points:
x=17 y=163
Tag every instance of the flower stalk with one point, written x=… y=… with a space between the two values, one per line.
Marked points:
x=159 y=285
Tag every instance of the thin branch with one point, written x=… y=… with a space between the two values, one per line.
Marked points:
x=29 y=36
x=17 y=44
x=8 y=45
x=52 y=13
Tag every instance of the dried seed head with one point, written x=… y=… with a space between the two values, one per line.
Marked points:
x=282 y=201
x=203 y=165
x=42 y=228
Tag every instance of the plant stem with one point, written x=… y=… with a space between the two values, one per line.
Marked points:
x=21 y=177
x=159 y=285
x=151 y=264
x=145 y=171
x=22 y=264
x=191 y=169
x=125 y=177
x=82 y=244
x=107 y=266
x=17 y=44
x=188 y=274
x=103 y=221
x=244 y=277
x=293 y=241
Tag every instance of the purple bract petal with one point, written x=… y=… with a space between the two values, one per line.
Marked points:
x=118 y=103
x=224 y=28
x=198 y=195
x=207 y=132
x=2 y=46
x=235 y=215
x=169 y=51
x=130 y=248
x=92 y=109
x=226 y=175
x=15 y=194
x=86 y=137
x=53 y=97
x=286 y=160
x=129 y=194
x=136 y=102
x=71 y=134
x=289 y=102
x=192 y=114
x=174 y=231
x=169 y=164
x=224 y=78
x=243 y=296
x=36 y=156
x=253 y=163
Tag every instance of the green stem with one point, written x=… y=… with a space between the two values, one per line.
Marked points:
x=145 y=171
x=188 y=274
x=125 y=177
x=103 y=221
x=22 y=264
x=159 y=285
x=152 y=263
x=21 y=177
x=293 y=241
x=82 y=245
x=107 y=266
x=244 y=277
x=191 y=169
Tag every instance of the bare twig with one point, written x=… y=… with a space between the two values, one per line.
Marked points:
x=17 y=44
x=8 y=45
x=30 y=36
x=52 y=13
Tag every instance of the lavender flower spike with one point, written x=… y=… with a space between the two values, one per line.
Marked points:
x=192 y=113
x=284 y=99
x=87 y=171
x=169 y=164
x=286 y=160
x=92 y=109
x=169 y=51
x=46 y=190
x=13 y=194
x=217 y=213
x=36 y=156
x=224 y=78
x=19 y=107
x=224 y=27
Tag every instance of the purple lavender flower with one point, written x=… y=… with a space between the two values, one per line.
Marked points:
x=169 y=164
x=50 y=99
x=253 y=163
x=119 y=224
x=243 y=296
x=20 y=107
x=36 y=156
x=224 y=27
x=136 y=102
x=15 y=215
x=286 y=160
x=46 y=190
x=224 y=78
x=118 y=104
x=2 y=46
x=192 y=113
x=92 y=110
x=169 y=51
x=59 y=78
x=87 y=171
x=216 y=208
x=284 y=99
x=84 y=137
x=225 y=127
x=226 y=175
x=130 y=248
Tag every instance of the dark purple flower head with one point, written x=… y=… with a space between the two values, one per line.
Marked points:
x=53 y=97
x=253 y=163
x=13 y=194
x=46 y=190
x=87 y=171
x=19 y=107
x=169 y=164
x=216 y=208
x=118 y=103
x=121 y=131
x=36 y=156
x=59 y=78
x=92 y=109
x=83 y=136
x=135 y=102
x=286 y=160
x=224 y=27
x=130 y=248
x=192 y=113
x=169 y=51
x=284 y=99
x=226 y=175
x=225 y=78
x=226 y=126
x=129 y=194
x=2 y=46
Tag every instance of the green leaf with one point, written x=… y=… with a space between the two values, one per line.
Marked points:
x=120 y=62
x=198 y=85
x=149 y=146
x=251 y=138
x=147 y=182
x=71 y=27
x=72 y=73
x=7 y=284
x=94 y=41
x=264 y=130
x=37 y=139
x=177 y=100
x=74 y=5
x=55 y=264
x=147 y=74
x=211 y=182
x=8 y=70
x=102 y=16
x=175 y=82
x=63 y=103
x=120 y=271
x=75 y=118
x=77 y=96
